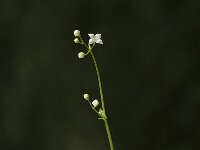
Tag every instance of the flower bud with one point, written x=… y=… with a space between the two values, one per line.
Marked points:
x=95 y=103
x=76 y=40
x=76 y=33
x=81 y=55
x=101 y=111
x=86 y=97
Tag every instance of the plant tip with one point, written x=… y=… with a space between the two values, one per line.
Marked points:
x=76 y=33
x=86 y=96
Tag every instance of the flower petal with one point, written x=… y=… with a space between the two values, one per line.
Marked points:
x=91 y=35
x=91 y=41
x=99 y=41
x=98 y=36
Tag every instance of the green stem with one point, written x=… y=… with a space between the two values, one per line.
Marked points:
x=102 y=100
x=101 y=94
x=99 y=79
x=109 y=135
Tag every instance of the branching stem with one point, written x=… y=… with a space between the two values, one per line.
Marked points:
x=103 y=117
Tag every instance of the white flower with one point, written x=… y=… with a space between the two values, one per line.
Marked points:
x=76 y=40
x=95 y=103
x=76 y=33
x=81 y=55
x=95 y=39
x=86 y=96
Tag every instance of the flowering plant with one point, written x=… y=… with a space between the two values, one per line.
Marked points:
x=102 y=111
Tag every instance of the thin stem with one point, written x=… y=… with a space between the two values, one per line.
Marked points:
x=97 y=71
x=102 y=100
x=82 y=42
x=109 y=135
x=101 y=94
x=99 y=79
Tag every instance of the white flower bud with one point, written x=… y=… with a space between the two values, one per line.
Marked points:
x=95 y=103
x=86 y=96
x=76 y=33
x=76 y=40
x=81 y=55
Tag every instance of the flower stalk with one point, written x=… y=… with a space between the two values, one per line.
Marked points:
x=102 y=101
x=102 y=111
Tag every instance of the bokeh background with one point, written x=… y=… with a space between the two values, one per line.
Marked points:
x=149 y=64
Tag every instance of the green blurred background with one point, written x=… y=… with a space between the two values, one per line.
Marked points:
x=149 y=64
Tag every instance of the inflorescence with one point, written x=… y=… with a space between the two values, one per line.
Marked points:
x=93 y=39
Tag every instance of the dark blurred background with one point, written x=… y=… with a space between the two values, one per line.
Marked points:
x=149 y=64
